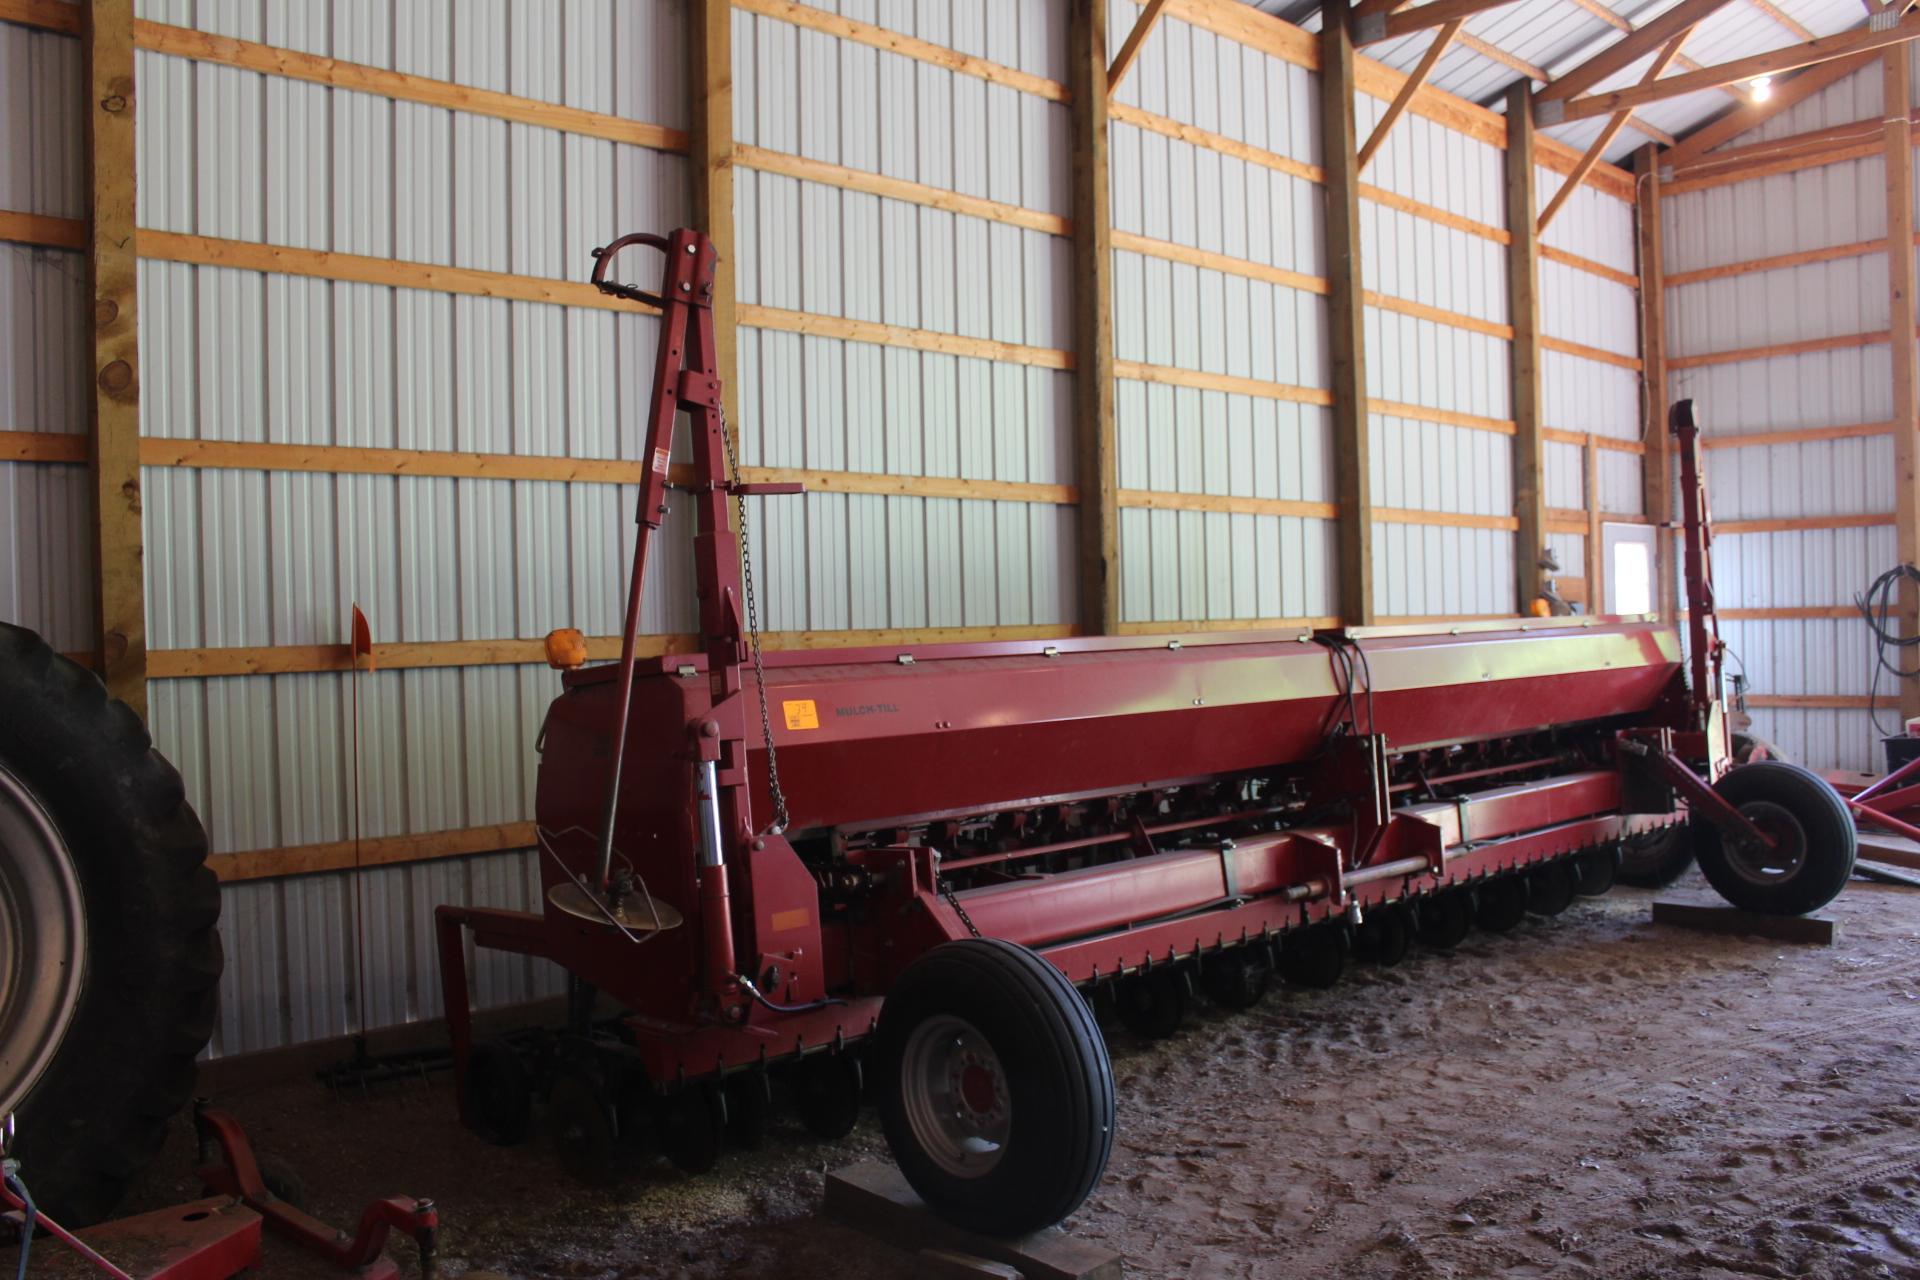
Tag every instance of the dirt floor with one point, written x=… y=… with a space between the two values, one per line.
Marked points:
x=1592 y=1096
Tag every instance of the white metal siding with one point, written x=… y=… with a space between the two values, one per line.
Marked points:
x=1816 y=208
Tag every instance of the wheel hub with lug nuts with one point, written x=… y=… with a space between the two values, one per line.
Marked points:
x=43 y=940
x=956 y=1097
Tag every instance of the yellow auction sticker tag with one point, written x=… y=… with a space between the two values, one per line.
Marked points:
x=801 y=714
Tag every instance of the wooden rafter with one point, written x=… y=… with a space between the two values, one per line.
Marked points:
x=1783 y=18
x=1656 y=462
x=1142 y=27
x=1406 y=21
x=1655 y=69
x=1368 y=8
x=1620 y=24
x=1495 y=53
x=1407 y=90
x=1752 y=114
x=1623 y=53
x=1770 y=63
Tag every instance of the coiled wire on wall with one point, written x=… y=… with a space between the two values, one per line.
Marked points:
x=1876 y=606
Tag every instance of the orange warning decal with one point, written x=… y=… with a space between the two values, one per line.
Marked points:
x=784 y=920
x=801 y=714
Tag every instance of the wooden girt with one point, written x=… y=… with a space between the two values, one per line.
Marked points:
x=1620 y=55
x=1584 y=166
x=1096 y=453
x=1748 y=115
x=1770 y=63
x=1406 y=21
x=1404 y=98
x=1142 y=27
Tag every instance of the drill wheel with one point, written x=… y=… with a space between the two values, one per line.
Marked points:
x=1314 y=957
x=1382 y=937
x=585 y=1130
x=1501 y=904
x=1235 y=979
x=827 y=1090
x=692 y=1124
x=1152 y=1005
x=1444 y=920
x=1551 y=887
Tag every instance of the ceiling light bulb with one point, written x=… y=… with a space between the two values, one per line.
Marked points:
x=1762 y=88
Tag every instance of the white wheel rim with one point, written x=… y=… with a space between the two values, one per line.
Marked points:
x=43 y=941
x=954 y=1092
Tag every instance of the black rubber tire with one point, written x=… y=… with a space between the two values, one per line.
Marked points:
x=1235 y=978
x=99 y=1112
x=826 y=1092
x=1597 y=870
x=1057 y=1074
x=1444 y=920
x=1152 y=1005
x=1501 y=903
x=693 y=1125
x=586 y=1133
x=1314 y=958
x=1655 y=859
x=1807 y=801
x=1551 y=887
x=1383 y=937
x=749 y=1110
x=499 y=1093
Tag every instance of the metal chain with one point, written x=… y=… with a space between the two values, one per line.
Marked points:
x=753 y=632
x=960 y=911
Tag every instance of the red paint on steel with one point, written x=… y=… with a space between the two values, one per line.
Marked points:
x=1114 y=800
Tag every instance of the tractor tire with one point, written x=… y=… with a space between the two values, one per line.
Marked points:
x=996 y=1092
x=110 y=911
x=1816 y=841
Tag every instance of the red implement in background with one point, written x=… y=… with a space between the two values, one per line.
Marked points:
x=969 y=832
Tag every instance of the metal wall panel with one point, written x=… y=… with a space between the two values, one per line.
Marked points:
x=835 y=561
x=1214 y=565
x=240 y=558
x=46 y=544
x=1820 y=568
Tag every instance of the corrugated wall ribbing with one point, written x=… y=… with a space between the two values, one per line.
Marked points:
x=46 y=543
x=1816 y=208
x=1421 y=465
x=1195 y=565
x=253 y=558
x=838 y=561
x=1579 y=393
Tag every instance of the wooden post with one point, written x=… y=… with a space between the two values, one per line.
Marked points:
x=1098 y=474
x=114 y=403
x=1656 y=459
x=1596 y=553
x=710 y=163
x=1346 y=343
x=1523 y=313
x=1897 y=112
